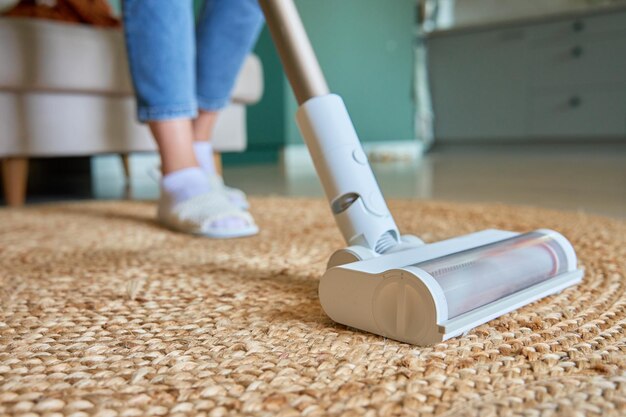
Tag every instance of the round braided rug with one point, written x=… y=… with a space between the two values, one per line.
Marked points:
x=105 y=313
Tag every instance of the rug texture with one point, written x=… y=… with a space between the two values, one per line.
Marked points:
x=104 y=313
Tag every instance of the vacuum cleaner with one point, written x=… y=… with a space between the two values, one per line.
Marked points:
x=395 y=285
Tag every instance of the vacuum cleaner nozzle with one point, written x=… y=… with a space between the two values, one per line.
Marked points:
x=391 y=284
x=437 y=291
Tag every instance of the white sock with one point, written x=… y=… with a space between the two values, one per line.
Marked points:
x=185 y=184
x=204 y=155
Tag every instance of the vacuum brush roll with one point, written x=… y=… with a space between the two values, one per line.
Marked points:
x=482 y=275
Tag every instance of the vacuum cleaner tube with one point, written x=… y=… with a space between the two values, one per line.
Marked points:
x=482 y=275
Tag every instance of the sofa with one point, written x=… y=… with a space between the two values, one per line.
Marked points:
x=65 y=91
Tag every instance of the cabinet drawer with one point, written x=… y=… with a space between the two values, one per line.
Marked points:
x=579 y=114
x=577 y=63
x=479 y=85
x=590 y=25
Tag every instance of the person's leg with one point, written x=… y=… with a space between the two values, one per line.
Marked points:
x=160 y=40
x=203 y=126
x=174 y=138
x=226 y=32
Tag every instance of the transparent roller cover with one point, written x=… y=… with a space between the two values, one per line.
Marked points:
x=482 y=275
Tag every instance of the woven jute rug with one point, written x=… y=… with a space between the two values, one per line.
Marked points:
x=105 y=313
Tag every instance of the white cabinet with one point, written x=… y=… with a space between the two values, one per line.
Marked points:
x=476 y=96
x=585 y=114
x=558 y=79
x=579 y=61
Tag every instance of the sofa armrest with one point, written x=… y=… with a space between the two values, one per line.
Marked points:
x=49 y=56
x=249 y=86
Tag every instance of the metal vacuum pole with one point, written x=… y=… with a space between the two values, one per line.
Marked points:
x=355 y=199
x=295 y=50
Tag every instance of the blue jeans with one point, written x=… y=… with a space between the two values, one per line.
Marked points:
x=178 y=65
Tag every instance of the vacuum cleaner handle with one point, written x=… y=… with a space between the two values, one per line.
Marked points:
x=294 y=48
x=351 y=188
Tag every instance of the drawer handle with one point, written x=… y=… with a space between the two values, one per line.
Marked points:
x=575 y=102
x=577 y=51
x=578 y=26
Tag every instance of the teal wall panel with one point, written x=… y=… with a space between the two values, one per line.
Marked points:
x=366 y=50
x=116 y=5
x=266 y=119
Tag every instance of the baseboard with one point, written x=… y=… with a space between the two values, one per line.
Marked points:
x=296 y=159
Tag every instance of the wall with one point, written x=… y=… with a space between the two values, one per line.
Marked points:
x=266 y=119
x=366 y=50
x=116 y=5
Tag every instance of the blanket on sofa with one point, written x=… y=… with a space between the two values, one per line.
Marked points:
x=91 y=12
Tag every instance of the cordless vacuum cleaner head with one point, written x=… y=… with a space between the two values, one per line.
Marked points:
x=437 y=291
x=393 y=285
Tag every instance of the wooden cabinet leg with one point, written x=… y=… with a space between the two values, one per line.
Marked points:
x=126 y=165
x=217 y=158
x=15 y=177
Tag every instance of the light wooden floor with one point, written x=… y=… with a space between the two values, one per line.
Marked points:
x=569 y=177
x=586 y=178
